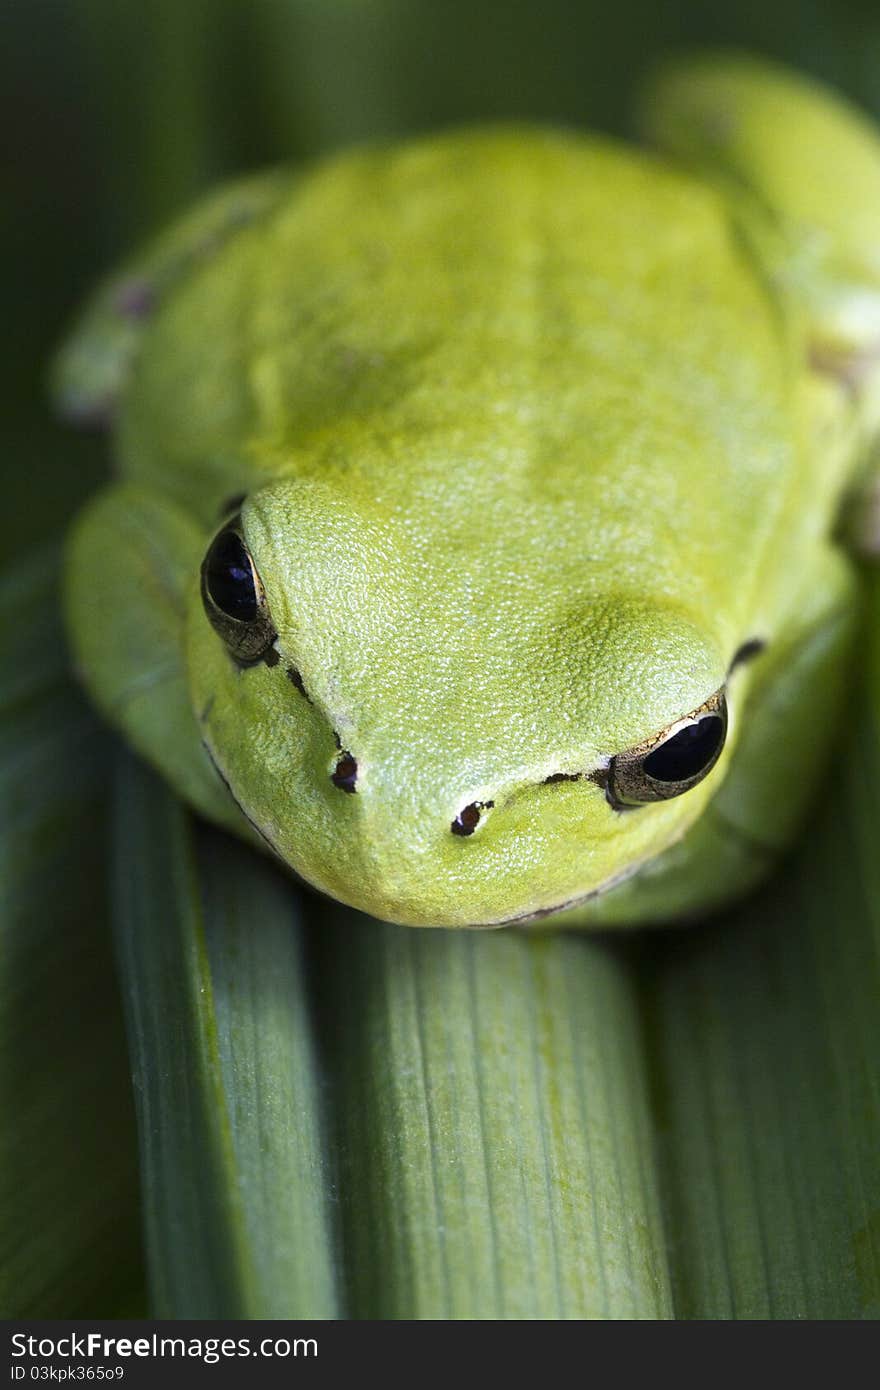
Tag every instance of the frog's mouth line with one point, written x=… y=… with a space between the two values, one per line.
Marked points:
x=525 y=918
x=751 y=842
x=270 y=845
x=250 y=820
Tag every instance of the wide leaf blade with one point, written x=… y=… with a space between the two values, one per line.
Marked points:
x=492 y=1118
x=763 y=1035
x=236 y=1194
x=69 y=1230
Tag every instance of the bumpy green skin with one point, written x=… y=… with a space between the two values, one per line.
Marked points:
x=536 y=432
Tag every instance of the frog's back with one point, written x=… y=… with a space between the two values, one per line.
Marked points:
x=492 y=328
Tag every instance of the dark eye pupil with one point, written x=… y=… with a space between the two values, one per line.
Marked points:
x=688 y=752
x=229 y=577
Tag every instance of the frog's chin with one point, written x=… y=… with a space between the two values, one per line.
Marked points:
x=402 y=889
x=526 y=918
x=400 y=912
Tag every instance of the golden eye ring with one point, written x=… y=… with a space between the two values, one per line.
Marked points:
x=233 y=596
x=671 y=762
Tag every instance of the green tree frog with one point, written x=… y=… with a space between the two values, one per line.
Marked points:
x=475 y=541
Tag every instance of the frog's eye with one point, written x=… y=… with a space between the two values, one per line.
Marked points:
x=234 y=598
x=671 y=762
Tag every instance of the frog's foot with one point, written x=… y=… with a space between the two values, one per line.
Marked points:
x=93 y=366
x=787 y=723
x=860 y=519
x=129 y=560
x=799 y=169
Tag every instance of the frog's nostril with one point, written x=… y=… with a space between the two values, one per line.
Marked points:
x=344 y=775
x=468 y=819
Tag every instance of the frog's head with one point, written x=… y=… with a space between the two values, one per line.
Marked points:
x=435 y=742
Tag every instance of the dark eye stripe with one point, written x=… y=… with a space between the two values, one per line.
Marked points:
x=747 y=652
x=232 y=504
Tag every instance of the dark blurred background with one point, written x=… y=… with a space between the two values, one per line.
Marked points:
x=117 y=113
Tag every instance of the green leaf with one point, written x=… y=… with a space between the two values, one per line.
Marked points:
x=69 y=1234
x=492 y=1115
x=764 y=1039
x=236 y=1193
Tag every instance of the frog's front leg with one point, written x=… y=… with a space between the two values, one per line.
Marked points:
x=130 y=558
x=92 y=368
x=787 y=722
